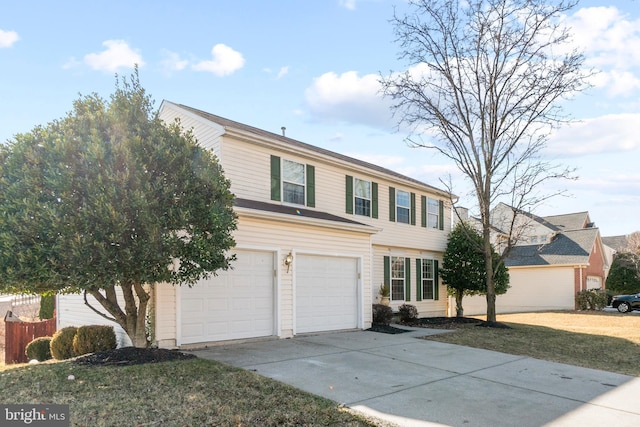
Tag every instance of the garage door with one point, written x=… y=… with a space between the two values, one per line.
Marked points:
x=236 y=304
x=326 y=293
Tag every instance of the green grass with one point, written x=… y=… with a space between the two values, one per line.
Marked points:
x=185 y=393
x=598 y=340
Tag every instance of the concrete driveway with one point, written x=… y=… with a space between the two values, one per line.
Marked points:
x=414 y=382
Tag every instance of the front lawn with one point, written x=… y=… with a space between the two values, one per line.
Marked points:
x=600 y=340
x=192 y=392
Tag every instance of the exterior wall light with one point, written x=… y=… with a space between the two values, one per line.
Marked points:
x=288 y=260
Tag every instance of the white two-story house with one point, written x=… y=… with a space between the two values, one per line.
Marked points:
x=318 y=234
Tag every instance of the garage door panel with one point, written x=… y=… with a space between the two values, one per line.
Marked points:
x=236 y=304
x=326 y=293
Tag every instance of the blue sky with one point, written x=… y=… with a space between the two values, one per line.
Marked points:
x=313 y=67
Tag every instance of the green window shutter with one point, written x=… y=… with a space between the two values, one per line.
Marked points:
x=392 y=204
x=436 y=281
x=349 y=192
x=441 y=215
x=374 y=200
x=413 y=208
x=418 y=279
x=387 y=272
x=311 y=186
x=275 y=178
x=407 y=279
x=423 y=210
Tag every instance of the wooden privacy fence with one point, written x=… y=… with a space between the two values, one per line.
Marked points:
x=19 y=333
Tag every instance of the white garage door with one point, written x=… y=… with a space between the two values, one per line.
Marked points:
x=326 y=293
x=236 y=304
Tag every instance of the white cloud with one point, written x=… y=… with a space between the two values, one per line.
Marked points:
x=117 y=55
x=8 y=38
x=225 y=61
x=348 y=4
x=173 y=62
x=348 y=98
x=610 y=133
x=611 y=43
x=283 y=72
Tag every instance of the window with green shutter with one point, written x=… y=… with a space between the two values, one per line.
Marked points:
x=293 y=182
x=428 y=279
x=397 y=278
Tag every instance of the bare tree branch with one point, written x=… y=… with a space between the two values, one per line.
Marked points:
x=483 y=87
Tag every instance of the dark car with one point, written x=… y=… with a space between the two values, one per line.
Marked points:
x=626 y=303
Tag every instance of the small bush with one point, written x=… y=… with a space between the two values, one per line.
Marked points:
x=39 y=349
x=591 y=299
x=62 y=343
x=382 y=314
x=47 y=306
x=408 y=313
x=94 y=338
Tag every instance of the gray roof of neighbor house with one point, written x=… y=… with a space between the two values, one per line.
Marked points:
x=226 y=123
x=568 y=247
x=573 y=221
x=619 y=243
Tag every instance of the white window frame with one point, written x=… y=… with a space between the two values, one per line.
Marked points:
x=433 y=218
x=426 y=280
x=406 y=207
x=396 y=280
x=294 y=183
x=366 y=198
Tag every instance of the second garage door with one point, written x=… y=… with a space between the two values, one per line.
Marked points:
x=326 y=293
x=236 y=304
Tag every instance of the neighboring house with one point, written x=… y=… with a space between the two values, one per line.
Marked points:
x=554 y=258
x=318 y=234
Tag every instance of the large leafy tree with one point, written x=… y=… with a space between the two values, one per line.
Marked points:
x=624 y=276
x=483 y=88
x=463 y=268
x=110 y=196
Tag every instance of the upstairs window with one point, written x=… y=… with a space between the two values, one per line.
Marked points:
x=433 y=213
x=403 y=207
x=362 y=194
x=293 y=182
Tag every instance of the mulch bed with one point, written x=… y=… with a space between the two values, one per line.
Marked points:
x=132 y=356
x=386 y=329
x=455 y=323
x=439 y=323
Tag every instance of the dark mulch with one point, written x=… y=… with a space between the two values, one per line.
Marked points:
x=132 y=356
x=386 y=329
x=455 y=323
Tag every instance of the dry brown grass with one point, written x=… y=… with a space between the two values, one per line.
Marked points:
x=600 y=340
